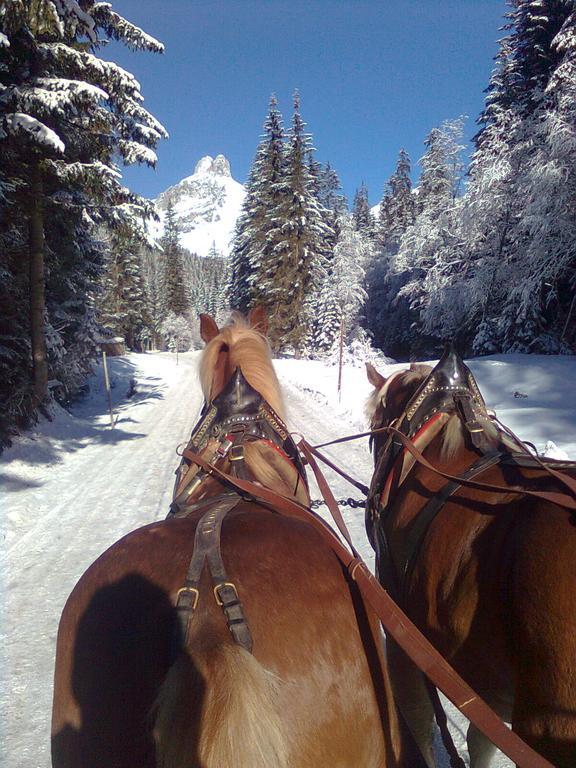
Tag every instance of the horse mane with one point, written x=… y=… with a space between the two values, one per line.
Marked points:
x=249 y=350
x=453 y=435
x=378 y=396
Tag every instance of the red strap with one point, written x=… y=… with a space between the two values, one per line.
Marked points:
x=396 y=623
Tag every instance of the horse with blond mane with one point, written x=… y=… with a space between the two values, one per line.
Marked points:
x=166 y=661
x=475 y=539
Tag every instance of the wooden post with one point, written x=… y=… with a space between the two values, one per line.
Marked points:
x=107 y=383
x=568 y=316
x=37 y=284
x=340 y=358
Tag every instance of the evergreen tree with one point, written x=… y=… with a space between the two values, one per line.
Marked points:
x=209 y=279
x=152 y=273
x=517 y=256
x=329 y=191
x=123 y=306
x=250 y=244
x=294 y=261
x=431 y=245
x=343 y=294
x=397 y=209
x=363 y=219
x=396 y=215
x=174 y=287
x=65 y=118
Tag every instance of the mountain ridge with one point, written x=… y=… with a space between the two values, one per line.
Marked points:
x=206 y=205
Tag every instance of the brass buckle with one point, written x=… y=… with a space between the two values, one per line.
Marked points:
x=236 y=453
x=224 y=584
x=188 y=590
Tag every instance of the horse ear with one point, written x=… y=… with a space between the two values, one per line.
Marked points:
x=413 y=366
x=258 y=319
x=375 y=378
x=208 y=328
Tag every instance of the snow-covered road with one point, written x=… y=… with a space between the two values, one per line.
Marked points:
x=73 y=486
x=76 y=486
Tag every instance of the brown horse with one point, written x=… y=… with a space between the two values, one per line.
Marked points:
x=132 y=690
x=488 y=576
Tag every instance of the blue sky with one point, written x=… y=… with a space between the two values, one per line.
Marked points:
x=373 y=77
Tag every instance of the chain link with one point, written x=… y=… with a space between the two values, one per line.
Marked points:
x=353 y=503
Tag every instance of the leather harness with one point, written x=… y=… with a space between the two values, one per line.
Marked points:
x=238 y=415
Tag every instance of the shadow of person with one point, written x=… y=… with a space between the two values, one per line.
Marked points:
x=125 y=642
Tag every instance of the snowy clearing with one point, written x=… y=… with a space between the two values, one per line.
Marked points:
x=73 y=486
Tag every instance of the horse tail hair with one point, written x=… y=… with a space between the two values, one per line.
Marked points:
x=222 y=709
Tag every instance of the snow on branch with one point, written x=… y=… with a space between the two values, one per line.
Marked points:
x=133 y=152
x=20 y=123
x=57 y=97
x=120 y=29
x=108 y=74
x=70 y=8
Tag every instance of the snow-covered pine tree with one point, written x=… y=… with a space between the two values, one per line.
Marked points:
x=363 y=219
x=123 y=305
x=344 y=294
x=384 y=318
x=153 y=276
x=518 y=233
x=533 y=26
x=325 y=316
x=175 y=297
x=429 y=247
x=250 y=242
x=177 y=333
x=541 y=306
x=397 y=208
x=330 y=191
x=293 y=264
x=66 y=117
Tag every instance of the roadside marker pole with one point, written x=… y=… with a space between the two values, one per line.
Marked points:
x=107 y=383
x=340 y=356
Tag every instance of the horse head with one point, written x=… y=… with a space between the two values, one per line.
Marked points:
x=410 y=399
x=240 y=344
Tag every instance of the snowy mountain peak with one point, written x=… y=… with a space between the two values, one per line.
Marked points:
x=219 y=165
x=206 y=206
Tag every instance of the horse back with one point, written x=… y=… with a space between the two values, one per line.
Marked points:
x=493 y=587
x=119 y=638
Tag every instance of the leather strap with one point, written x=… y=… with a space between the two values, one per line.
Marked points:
x=442 y=721
x=314 y=450
x=207 y=550
x=328 y=496
x=427 y=514
x=396 y=623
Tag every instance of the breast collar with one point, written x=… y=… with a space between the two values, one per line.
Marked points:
x=239 y=414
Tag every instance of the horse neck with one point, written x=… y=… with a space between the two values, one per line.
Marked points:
x=267 y=466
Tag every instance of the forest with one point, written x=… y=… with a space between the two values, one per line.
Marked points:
x=482 y=252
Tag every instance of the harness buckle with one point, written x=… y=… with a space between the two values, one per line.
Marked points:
x=224 y=447
x=188 y=591
x=220 y=586
x=236 y=453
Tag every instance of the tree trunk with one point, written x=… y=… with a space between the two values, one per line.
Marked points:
x=37 y=285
